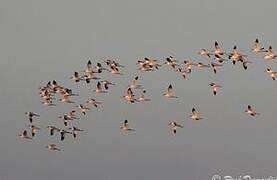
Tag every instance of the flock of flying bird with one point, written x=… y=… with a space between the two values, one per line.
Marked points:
x=48 y=92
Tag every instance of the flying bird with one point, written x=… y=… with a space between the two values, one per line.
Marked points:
x=269 y=55
x=169 y=92
x=251 y=111
x=215 y=66
x=76 y=77
x=195 y=115
x=272 y=74
x=82 y=109
x=52 y=129
x=204 y=52
x=74 y=129
x=52 y=147
x=174 y=125
x=31 y=115
x=125 y=126
x=257 y=47
x=215 y=87
x=25 y=135
x=94 y=103
x=34 y=130
x=142 y=96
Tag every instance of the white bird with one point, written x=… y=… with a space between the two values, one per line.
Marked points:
x=82 y=109
x=174 y=125
x=93 y=102
x=106 y=84
x=188 y=65
x=25 y=135
x=269 y=55
x=215 y=87
x=251 y=111
x=63 y=133
x=142 y=97
x=195 y=115
x=76 y=77
x=217 y=49
x=114 y=70
x=236 y=56
x=134 y=84
x=74 y=130
x=244 y=64
x=257 y=47
x=34 y=130
x=125 y=126
x=99 y=88
x=182 y=72
x=129 y=96
x=31 y=115
x=272 y=74
x=204 y=52
x=215 y=66
x=171 y=61
x=52 y=147
x=66 y=99
x=169 y=93
x=52 y=129
x=219 y=58
x=201 y=65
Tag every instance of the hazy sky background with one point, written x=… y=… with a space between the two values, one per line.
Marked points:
x=46 y=40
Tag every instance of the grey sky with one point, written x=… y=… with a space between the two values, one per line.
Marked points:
x=46 y=40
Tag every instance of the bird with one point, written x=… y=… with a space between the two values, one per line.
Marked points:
x=52 y=147
x=269 y=55
x=152 y=62
x=88 y=67
x=217 y=49
x=114 y=70
x=113 y=63
x=195 y=115
x=219 y=58
x=66 y=99
x=63 y=133
x=76 y=77
x=188 y=65
x=182 y=72
x=244 y=64
x=201 y=65
x=171 y=61
x=236 y=56
x=99 y=88
x=215 y=87
x=257 y=47
x=106 y=84
x=74 y=129
x=272 y=74
x=134 y=84
x=52 y=129
x=169 y=93
x=34 y=130
x=31 y=115
x=24 y=135
x=125 y=126
x=129 y=96
x=142 y=97
x=215 y=66
x=93 y=102
x=82 y=109
x=174 y=125
x=251 y=111
x=99 y=68
x=204 y=52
